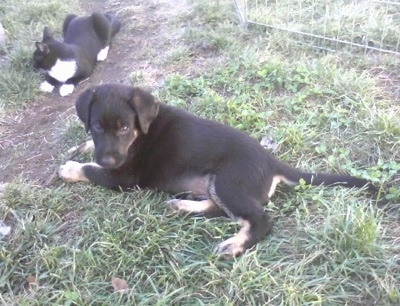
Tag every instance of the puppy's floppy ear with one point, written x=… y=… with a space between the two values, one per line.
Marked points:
x=145 y=106
x=83 y=106
x=42 y=47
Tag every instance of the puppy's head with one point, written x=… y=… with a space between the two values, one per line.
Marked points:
x=115 y=115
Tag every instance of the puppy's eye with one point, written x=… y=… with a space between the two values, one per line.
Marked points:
x=123 y=130
x=97 y=127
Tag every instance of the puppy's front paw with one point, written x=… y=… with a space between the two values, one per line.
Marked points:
x=46 y=87
x=72 y=171
x=66 y=90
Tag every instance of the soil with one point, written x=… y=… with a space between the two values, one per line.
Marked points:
x=29 y=146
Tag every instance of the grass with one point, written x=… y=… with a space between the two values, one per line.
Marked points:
x=367 y=23
x=330 y=246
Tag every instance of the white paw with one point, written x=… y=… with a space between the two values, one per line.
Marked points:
x=66 y=89
x=72 y=171
x=103 y=54
x=46 y=87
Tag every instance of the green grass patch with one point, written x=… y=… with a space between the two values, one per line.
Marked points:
x=305 y=105
x=370 y=24
x=73 y=244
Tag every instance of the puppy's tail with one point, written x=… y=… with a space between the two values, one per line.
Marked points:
x=115 y=23
x=292 y=176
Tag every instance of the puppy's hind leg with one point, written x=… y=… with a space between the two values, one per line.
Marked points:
x=205 y=207
x=244 y=208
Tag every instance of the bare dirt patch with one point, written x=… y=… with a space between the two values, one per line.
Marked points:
x=150 y=31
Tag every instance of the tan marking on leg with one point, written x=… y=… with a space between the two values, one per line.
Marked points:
x=275 y=181
x=187 y=206
x=72 y=171
x=235 y=245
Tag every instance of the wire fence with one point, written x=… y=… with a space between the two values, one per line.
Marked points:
x=330 y=24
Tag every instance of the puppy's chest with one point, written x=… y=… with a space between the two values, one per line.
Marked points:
x=63 y=70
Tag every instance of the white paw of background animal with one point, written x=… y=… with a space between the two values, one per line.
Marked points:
x=46 y=87
x=103 y=54
x=66 y=89
x=71 y=171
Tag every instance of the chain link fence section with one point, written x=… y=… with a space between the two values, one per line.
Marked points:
x=330 y=24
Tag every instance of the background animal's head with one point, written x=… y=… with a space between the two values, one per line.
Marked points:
x=45 y=55
x=116 y=115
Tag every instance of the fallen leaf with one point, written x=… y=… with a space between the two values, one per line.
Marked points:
x=32 y=280
x=119 y=285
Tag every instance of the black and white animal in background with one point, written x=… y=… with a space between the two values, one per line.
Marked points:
x=140 y=142
x=86 y=41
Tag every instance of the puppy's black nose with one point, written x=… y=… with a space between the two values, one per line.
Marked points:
x=107 y=161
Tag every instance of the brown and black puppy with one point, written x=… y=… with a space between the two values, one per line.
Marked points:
x=139 y=142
